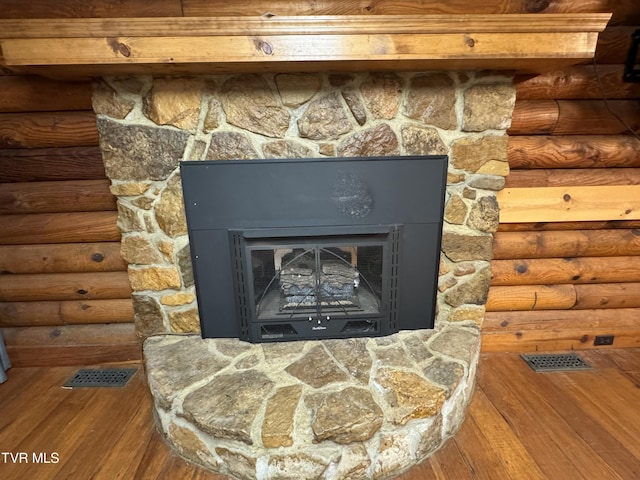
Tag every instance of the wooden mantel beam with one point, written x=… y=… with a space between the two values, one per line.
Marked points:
x=108 y=46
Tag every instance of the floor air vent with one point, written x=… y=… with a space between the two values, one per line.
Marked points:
x=103 y=377
x=555 y=362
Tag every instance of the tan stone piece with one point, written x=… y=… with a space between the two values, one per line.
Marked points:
x=153 y=278
x=409 y=395
x=279 y=417
x=175 y=101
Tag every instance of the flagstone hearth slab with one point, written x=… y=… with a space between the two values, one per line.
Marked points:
x=365 y=408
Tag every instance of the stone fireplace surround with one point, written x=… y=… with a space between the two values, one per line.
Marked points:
x=333 y=409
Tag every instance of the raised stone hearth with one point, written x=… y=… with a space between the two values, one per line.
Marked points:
x=332 y=409
x=338 y=409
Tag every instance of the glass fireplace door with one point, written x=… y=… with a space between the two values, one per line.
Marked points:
x=307 y=287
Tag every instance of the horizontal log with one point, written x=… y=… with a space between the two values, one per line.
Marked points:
x=562 y=226
x=201 y=8
x=558 y=340
x=557 y=320
x=48 y=129
x=69 y=312
x=549 y=271
x=62 y=258
x=59 y=228
x=569 y=204
x=557 y=177
x=612 y=295
x=48 y=164
x=196 y=8
x=55 y=197
x=64 y=286
x=570 y=243
x=575 y=117
x=72 y=345
x=531 y=297
x=614 y=43
x=89 y=8
x=563 y=297
x=581 y=82
x=37 y=94
x=574 y=151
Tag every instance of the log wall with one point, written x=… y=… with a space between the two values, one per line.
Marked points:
x=567 y=254
x=558 y=280
x=65 y=296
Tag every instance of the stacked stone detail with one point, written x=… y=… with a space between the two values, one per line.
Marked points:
x=336 y=409
x=332 y=409
x=148 y=125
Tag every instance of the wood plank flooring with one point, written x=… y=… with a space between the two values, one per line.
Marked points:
x=520 y=425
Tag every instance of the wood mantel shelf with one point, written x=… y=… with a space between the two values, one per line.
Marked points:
x=113 y=46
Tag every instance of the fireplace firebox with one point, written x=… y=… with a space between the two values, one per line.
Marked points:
x=299 y=249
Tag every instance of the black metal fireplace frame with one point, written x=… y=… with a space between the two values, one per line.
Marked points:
x=232 y=204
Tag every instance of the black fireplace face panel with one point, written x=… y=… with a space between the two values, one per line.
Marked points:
x=315 y=248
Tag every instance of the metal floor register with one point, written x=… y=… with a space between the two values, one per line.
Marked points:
x=103 y=377
x=555 y=362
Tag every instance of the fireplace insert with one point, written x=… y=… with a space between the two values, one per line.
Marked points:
x=299 y=249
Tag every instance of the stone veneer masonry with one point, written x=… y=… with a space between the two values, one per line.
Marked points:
x=333 y=409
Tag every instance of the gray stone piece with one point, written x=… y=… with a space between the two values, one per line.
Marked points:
x=348 y=416
x=381 y=93
x=488 y=106
x=148 y=315
x=377 y=141
x=227 y=406
x=138 y=152
x=422 y=141
x=461 y=247
x=445 y=373
x=249 y=103
x=431 y=100
x=107 y=102
x=325 y=370
x=185 y=267
x=230 y=146
x=286 y=149
x=460 y=343
x=325 y=119
x=355 y=104
x=175 y=363
x=352 y=353
x=471 y=290
x=170 y=209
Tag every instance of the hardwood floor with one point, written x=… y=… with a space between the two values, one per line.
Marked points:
x=520 y=425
